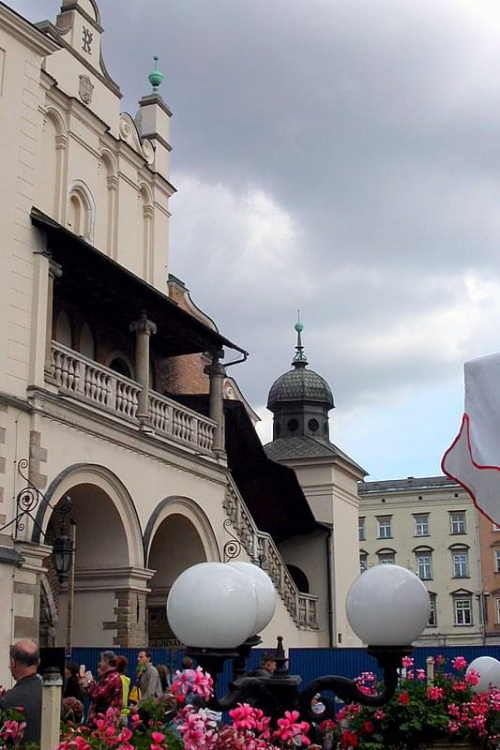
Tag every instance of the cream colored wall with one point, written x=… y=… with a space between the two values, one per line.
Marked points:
x=331 y=490
x=20 y=93
x=309 y=553
x=437 y=503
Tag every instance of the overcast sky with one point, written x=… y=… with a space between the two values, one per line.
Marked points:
x=341 y=157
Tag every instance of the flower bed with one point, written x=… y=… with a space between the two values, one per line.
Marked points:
x=421 y=713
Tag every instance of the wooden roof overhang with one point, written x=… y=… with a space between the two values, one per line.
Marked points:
x=107 y=291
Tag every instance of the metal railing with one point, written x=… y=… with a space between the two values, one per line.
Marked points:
x=260 y=546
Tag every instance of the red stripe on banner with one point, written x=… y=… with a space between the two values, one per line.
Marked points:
x=465 y=430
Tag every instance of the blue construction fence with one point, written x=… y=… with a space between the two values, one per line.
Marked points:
x=309 y=663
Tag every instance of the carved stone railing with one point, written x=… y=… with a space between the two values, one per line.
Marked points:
x=260 y=547
x=82 y=378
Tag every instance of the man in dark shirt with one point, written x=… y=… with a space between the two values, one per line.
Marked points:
x=27 y=692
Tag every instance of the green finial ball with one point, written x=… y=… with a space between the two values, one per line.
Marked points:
x=156 y=76
x=299 y=327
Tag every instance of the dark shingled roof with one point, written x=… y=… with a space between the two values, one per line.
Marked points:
x=405 y=485
x=291 y=448
x=300 y=384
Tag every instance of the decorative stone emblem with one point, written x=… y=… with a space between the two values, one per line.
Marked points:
x=85 y=89
x=87 y=38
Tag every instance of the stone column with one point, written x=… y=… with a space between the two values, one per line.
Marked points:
x=51 y=709
x=217 y=372
x=55 y=272
x=143 y=328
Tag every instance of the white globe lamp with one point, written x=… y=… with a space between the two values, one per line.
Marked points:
x=488 y=670
x=212 y=606
x=388 y=606
x=264 y=590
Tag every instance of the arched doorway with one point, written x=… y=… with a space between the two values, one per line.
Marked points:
x=178 y=541
x=109 y=608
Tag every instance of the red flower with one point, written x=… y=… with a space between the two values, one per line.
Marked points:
x=348 y=739
x=404 y=699
x=368 y=727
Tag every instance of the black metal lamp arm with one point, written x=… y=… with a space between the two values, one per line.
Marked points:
x=389 y=659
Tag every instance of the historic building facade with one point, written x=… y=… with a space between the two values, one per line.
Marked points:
x=325 y=561
x=112 y=385
x=431 y=526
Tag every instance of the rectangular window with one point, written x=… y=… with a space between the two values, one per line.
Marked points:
x=424 y=566
x=463 y=611
x=422 y=525
x=460 y=564
x=433 y=613
x=384 y=527
x=363 y=562
x=386 y=558
x=457 y=522
x=497 y=561
x=361 y=526
x=497 y=610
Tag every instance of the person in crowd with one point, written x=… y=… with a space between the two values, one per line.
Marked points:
x=148 y=678
x=267 y=667
x=107 y=691
x=72 y=687
x=121 y=665
x=27 y=692
x=164 y=673
x=72 y=711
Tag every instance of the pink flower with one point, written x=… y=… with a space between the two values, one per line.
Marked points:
x=421 y=675
x=459 y=663
x=435 y=693
x=379 y=714
x=407 y=662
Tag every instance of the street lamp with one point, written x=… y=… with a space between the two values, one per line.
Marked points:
x=214 y=609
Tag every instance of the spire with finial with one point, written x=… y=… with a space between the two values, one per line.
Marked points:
x=156 y=76
x=300 y=359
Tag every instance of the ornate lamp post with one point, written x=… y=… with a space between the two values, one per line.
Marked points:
x=214 y=608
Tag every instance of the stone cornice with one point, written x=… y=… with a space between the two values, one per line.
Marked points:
x=27 y=33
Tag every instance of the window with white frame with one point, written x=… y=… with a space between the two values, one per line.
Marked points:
x=462 y=610
x=384 y=527
x=457 y=522
x=497 y=610
x=495 y=527
x=363 y=561
x=497 y=561
x=361 y=527
x=433 y=611
x=460 y=563
x=386 y=558
x=421 y=524
x=424 y=565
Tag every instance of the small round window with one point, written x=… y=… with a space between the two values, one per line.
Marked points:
x=313 y=425
x=293 y=425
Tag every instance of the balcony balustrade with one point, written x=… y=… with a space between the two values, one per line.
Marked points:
x=81 y=378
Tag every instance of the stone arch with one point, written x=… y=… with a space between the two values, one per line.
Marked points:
x=104 y=479
x=81 y=210
x=183 y=506
x=178 y=535
x=107 y=197
x=54 y=140
x=110 y=581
